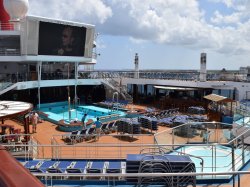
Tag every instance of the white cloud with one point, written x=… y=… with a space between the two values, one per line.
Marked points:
x=94 y=11
x=229 y=19
x=162 y=21
x=228 y=3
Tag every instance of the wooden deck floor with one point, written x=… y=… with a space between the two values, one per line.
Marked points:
x=88 y=149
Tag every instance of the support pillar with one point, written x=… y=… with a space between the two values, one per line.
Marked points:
x=39 y=72
x=76 y=80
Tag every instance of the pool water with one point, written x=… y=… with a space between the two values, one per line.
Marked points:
x=60 y=111
x=216 y=158
x=245 y=120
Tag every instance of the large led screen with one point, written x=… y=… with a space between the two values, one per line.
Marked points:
x=62 y=40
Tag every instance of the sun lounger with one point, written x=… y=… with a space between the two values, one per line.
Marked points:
x=70 y=137
x=96 y=167
x=77 y=167
x=114 y=167
x=59 y=167
x=33 y=166
x=81 y=135
x=104 y=128
x=46 y=164
x=112 y=126
x=90 y=133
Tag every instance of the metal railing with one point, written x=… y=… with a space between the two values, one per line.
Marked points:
x=214 y=142
x=106 y=75
x=98 y=150
x=51 y=179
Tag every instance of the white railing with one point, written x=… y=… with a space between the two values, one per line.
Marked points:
x=112 y=178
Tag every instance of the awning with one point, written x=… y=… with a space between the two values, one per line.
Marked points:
x=14 y=108
x=218 y=98
x=174 y=88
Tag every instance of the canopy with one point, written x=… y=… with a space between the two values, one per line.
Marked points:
x=218 y=98
x=174 y=88
x=14 y=108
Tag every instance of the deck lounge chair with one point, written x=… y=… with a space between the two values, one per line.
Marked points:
x=104 y=128
x=59 y=167
x=70 y=137
x=81 y=135
x=77 y=167
x=96 y=167
x=112 y=126
x=90 y=133
x=33 y=166
x=47 y=164
x=114 y=167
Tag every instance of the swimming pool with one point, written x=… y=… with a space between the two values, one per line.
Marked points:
x=216 y=158
x=243 y=120
x=60 y=111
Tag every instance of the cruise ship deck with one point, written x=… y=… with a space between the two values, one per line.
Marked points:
x=174 y=128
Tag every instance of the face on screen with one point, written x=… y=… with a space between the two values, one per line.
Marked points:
x=63 y=40
x=67 y=38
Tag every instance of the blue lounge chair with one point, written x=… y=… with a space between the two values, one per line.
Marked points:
x=59 y=167
x=47 y=164
x=77 y=167
x=33 y=166
x=114 y=167
x=96 y=167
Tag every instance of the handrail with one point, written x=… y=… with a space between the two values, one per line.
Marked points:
x=50 y=176
x=182 y=153
x=179 y=152
x=33 y=138
x=139 y=174
x=236 y=138
x=107 y=75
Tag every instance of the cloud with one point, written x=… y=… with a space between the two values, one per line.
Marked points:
x=168 y=22
x=94 y=11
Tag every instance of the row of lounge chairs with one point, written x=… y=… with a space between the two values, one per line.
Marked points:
x=128 y=125
x=196 y=110
x=164 y=113
x=110 y=103
x=181 y=119
x=86 y=134
x=79 y=166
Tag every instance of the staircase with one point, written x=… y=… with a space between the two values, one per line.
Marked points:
x=114 y=85
x=7 y=86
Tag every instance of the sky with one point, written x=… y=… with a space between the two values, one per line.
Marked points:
x=166 y=34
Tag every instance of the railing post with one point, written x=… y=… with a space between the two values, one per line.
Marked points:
x=243 y=151
x=233 y=164
x=173 y=138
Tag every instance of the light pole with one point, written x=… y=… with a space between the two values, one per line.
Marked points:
x=69 y=108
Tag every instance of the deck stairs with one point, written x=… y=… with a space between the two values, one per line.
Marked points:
x=114 y=85
x=7 y=86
